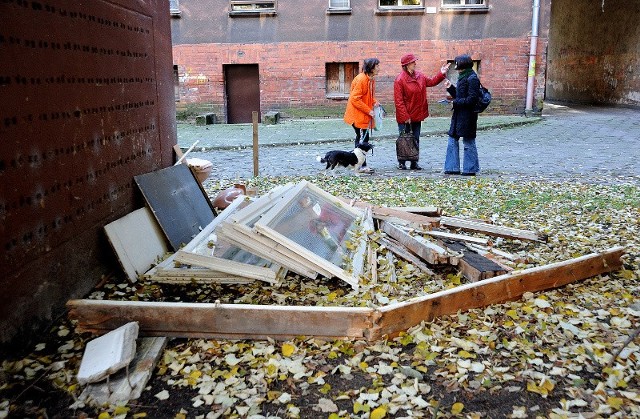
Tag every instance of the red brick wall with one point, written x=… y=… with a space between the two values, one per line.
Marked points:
x=292 y=75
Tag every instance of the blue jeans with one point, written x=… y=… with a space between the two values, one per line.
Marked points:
x=415 y=129
x=470 y=162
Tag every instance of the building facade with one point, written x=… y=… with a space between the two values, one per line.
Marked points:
x=293 y=56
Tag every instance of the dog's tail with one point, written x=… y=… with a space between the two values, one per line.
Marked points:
x=320 y=159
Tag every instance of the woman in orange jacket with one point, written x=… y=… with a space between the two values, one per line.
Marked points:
x=359 y=113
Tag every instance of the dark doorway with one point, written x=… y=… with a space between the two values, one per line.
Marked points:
x=243 y=92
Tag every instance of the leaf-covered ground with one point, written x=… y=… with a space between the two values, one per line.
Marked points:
x=546 y=355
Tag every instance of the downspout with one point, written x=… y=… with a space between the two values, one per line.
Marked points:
x=532 y=55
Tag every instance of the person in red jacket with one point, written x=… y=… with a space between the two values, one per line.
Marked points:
x=410 y=97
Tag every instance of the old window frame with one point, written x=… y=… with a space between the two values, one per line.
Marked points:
x=271 y=223
x=343 y=80
x=464 y=5
x=253 y=7
x=399 y=5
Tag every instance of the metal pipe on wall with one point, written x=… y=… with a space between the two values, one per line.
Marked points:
x=532 y=55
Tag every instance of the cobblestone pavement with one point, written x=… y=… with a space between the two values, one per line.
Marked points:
x=588 y=144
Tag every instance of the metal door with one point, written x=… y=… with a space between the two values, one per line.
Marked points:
x=243 y=92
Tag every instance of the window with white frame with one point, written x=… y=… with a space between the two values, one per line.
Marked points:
x=399 y=3
x=463 y=3
x=339 y=78
x=339 y=4
x=174 y=7
x=258 y=6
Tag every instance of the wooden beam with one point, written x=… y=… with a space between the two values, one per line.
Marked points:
x=508 y=287
x=393 y=215
x=226 y=321
x=227 y=266
x=429 y=254
x=429 y=211
x=403 y=253
x=492 y=229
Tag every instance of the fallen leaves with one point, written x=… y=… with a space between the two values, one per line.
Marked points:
x=542 y=355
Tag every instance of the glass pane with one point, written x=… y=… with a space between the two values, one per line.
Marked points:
x=411 y=2
x=339 y=4
x=450 y=2
x=317 y=225
x=388 y=2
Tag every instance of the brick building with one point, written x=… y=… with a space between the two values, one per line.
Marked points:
x=289 y=55
x=88 y=97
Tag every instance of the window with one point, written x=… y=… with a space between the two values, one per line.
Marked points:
x=463 y=3
x=174 y=8
x=252 y=6
x=339 y=78
x=399 y=3
x=339 y=4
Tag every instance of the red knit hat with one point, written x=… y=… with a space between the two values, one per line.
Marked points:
x=408 y=59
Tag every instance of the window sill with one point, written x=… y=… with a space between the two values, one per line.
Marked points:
x=175 y=13
x=399 y=11
x=253 y=13
x=467 y=8
x=339 y=11
x=337 y=96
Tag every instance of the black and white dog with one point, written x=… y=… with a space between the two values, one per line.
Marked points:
x=349 y=159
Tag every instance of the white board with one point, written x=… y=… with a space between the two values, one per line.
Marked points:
x=137 y=240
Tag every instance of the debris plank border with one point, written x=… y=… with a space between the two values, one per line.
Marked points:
x=243 y=321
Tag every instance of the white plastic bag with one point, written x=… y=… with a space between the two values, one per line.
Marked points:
x=378 y=116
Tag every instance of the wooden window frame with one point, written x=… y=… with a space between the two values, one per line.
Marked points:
x=343 y=80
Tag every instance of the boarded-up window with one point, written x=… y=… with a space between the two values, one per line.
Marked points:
x=339 y=78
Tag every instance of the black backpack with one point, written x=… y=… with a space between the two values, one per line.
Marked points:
x=484 y=100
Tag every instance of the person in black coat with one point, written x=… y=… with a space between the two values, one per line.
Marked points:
x=464 y=121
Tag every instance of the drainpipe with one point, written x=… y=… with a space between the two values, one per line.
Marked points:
x=532 y=55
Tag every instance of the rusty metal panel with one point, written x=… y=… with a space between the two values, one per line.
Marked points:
x=84 y=109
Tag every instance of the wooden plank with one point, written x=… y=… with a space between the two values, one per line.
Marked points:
x=393 y=215
x=227 y=321
x=508 y=287
x=429 y=211
x=492 y=229
x=403 y=253
x=137 y=241
x=457 y=237
x=227 y=266
x=363 y=245
x=474 y=266
x=430 y=255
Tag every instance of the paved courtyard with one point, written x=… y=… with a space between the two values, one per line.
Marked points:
x=591 y=144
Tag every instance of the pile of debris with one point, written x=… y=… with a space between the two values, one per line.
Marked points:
x=300 y=229
x=303 y=230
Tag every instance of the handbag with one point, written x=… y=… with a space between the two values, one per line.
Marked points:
x=484 y=100
x=407 y=146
